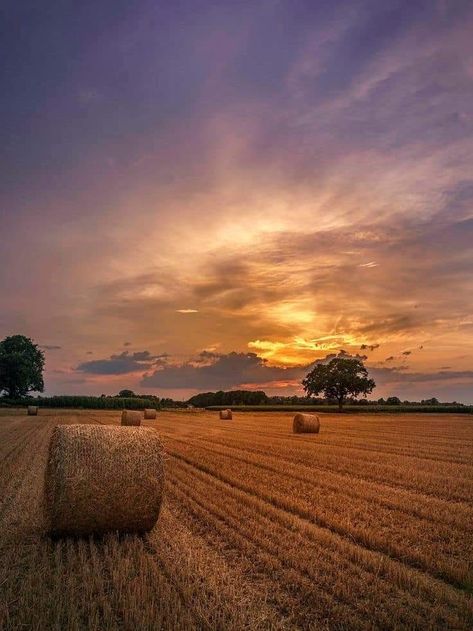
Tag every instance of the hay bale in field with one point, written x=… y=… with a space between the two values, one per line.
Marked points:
x=306 y=424
x=130 y=417
x=102 y=478
x=150 y=413
x=226 y=415
x=32 y=410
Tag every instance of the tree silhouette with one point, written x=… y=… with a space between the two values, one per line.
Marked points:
x=21 y=366
x=340 y=378
x=126 y=394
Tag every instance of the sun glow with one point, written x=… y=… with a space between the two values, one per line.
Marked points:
x=289 y=312
x=301 y=350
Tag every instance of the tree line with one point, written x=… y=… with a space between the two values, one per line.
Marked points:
x=341 y=380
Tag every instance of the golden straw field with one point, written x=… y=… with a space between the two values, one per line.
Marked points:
x=367 y=525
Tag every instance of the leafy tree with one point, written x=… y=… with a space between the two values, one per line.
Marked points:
x=126 y=394
x=340 y=378
x=21 y=366
x=393 y=401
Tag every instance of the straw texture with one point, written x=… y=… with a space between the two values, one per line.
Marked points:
x=103 y=478
x=306 y=424
x=131 y=417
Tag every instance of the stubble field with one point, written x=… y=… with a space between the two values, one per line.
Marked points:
x=368 y=525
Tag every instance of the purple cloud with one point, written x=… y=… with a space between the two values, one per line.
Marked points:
x=122 y=363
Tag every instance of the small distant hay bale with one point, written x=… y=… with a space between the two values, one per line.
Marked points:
x=306 y=424
x=226 y=415
x=130 y=417
x=32 y=410
x=102 y=478
x=150 y=413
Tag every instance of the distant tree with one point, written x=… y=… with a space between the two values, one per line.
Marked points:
x=170 y=403
x=393 y=401
x=21 y=366
x=342 y=377
x=126 y=394
x=432 y=401
x=231 y=397
x=201 y=400
x=150 y=397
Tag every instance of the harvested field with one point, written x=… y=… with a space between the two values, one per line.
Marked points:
x=367 y=525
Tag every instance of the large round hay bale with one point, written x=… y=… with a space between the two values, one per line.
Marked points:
x=226 y=415
x=32 y=410
x=150 y=413
x=102 y=478
x=306 y=424
x=130 y=417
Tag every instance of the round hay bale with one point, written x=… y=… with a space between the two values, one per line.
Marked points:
x=102 y=478
x=226 y=415
x=130 y=417
x=150 y=413
x=306 y=424
x=32 y=410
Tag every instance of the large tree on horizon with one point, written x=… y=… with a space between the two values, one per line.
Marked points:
x=338 y=379
x=21 y=366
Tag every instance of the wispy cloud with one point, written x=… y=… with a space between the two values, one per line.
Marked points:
x=370 y=264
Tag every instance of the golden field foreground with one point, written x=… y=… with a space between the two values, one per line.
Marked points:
x=367 y=525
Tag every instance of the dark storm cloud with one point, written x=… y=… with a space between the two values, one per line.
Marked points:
x=227 y=371
x=122 y=363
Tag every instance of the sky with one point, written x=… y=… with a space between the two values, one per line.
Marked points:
x=199 y=195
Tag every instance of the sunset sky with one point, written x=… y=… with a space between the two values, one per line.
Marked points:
x=203 y=195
